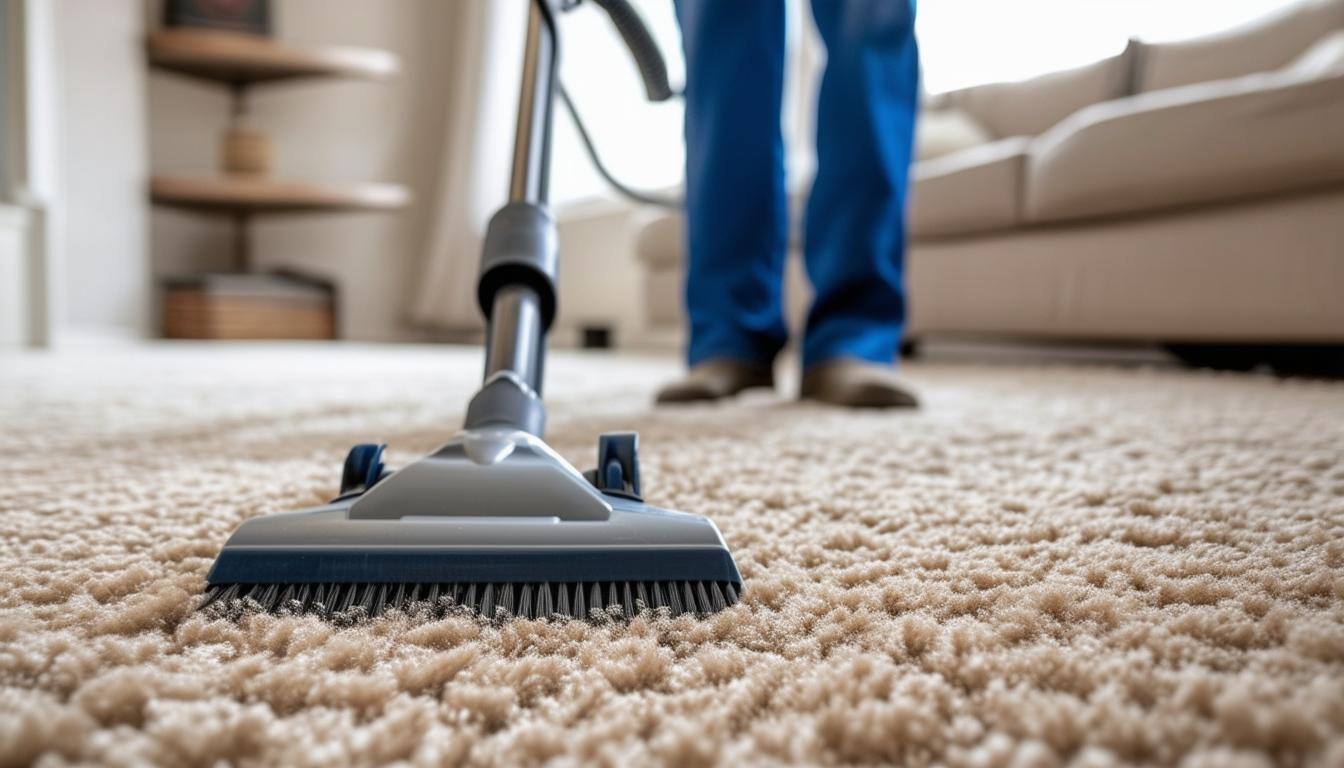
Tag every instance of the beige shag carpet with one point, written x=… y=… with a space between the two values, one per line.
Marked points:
x=1047 y=565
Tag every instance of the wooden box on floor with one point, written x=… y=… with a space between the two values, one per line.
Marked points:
x=248 y=306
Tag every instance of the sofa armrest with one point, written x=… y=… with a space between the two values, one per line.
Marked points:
x=1254 y=135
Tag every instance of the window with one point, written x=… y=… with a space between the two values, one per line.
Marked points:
x=639 y=141
x=970 y=42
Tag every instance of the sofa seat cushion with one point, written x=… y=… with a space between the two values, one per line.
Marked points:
x=1264 y=44
x=1254 y=135
x=974 y=190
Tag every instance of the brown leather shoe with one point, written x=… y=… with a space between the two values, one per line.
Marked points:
x=716 y=379
x=856 y=384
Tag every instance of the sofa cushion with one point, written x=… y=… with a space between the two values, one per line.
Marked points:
x=974 y=190
x=1029 y=107
x=944 y=131
x=1254 y=135
x=1264 y=44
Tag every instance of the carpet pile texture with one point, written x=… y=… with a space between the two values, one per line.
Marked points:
x=1044 y=566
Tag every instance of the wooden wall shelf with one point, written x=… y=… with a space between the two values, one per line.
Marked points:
x=242 y=304
x=244 y=194
x=232 y=57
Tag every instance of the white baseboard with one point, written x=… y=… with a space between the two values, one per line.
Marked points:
x=99 y=336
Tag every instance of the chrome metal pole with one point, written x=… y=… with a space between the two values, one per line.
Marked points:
x=515 y=336
x=531 y=145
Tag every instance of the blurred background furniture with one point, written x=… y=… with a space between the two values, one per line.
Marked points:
x=89 y=129
x=1188 y=193
x=276 y=304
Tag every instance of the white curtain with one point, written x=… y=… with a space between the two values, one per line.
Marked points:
x=486 y=66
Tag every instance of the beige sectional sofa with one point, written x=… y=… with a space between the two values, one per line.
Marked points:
x=1181 y=192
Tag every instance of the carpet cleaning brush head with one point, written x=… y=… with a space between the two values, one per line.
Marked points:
x=494 y=523
x=353 y=601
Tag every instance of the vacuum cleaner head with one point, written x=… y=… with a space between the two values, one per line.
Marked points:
x=494 y=523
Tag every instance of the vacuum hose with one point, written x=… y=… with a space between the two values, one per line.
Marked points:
x=652 y=69
x=643 y=48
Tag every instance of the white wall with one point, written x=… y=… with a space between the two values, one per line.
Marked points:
x=322 y=130
x=101 y=168
x=13 y=219
x=9 y=18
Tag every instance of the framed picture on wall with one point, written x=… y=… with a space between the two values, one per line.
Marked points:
x=248 y=16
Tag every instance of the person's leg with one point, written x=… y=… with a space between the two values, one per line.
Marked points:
x=736 y=210
x=855 y=225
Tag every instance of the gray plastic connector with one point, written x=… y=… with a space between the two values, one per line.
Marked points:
x=506 y=400
x=520 y=248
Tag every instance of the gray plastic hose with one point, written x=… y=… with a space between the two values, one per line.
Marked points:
x=652 y=69
x=643 y=48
